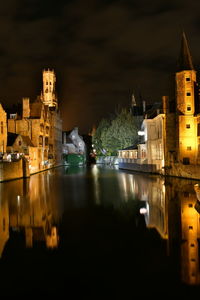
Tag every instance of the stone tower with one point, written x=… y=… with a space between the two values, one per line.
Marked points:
x=48 y=95
x=185 y=106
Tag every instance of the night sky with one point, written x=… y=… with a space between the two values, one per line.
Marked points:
x=102 y=52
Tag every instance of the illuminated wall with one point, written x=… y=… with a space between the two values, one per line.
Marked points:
x=3 y=130
x=49 y=81
x=187 y=122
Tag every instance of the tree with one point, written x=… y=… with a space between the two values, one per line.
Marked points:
x=97 y=137
x=117 y=134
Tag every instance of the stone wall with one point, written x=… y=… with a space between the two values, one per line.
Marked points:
x=110 y=160
x=185 y=171
x=11 y=170
x=149 y=168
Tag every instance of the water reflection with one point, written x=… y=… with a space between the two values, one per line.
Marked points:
x=35 y=208
x=30 y=207
x=170 y=206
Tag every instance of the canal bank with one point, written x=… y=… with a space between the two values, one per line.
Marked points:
x=79 y=230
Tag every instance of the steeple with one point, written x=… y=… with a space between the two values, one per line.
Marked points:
x=185 y=58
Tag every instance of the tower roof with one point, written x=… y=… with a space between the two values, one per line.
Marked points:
x=185 y=58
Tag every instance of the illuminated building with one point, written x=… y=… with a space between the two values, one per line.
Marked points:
x=48 y=96
x=170 y=139
x=40 y=121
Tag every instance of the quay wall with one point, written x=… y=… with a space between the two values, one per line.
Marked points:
x=175 y=170
x=19 y=169
x=11 y=170
x=108 y=160
x=185 y=171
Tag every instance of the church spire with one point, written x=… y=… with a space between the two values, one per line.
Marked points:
x=185 y=58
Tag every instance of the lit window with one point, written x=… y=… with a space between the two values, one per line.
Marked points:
x=187 y=78
x=187 y=125
x=188 y=94
x=189 y=148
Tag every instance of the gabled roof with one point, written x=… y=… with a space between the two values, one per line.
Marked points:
x=12 y=138
x=185 y=58
x=27 y=141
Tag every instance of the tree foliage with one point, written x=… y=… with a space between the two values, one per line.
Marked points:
x=119 y=133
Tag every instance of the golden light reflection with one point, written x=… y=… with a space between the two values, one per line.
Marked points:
x=30 y=206
x=95 y=173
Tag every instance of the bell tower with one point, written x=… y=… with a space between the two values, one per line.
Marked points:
x=48 y=95
x=185 y=105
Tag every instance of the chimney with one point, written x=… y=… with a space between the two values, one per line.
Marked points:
x=165 y=101
x=26 y=108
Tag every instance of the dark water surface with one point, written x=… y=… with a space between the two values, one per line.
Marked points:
x=98 y=233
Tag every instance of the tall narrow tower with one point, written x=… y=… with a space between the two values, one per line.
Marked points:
x=185 y=105
x=49 y=81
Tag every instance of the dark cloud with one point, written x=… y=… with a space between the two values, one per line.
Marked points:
x=101 y=51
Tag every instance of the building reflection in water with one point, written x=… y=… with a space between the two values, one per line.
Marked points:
x=29 y=207
x=170 y=206
x=33 y=208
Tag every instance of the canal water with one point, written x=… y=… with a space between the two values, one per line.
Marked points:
x=99 y=232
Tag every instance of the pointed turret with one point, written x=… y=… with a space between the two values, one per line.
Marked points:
x=185 y=58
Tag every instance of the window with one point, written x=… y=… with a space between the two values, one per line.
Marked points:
x=188 y=94
x=46 y=91
x=190 y=227
x=1 y=127
x=189 y=148
x=186 y=160
x=190 y=205
x=198 y=129
x=20 y=142
x=188 y=108
x=187 y=125
x=47 y=83
x=46 y=141
x=187 y=78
